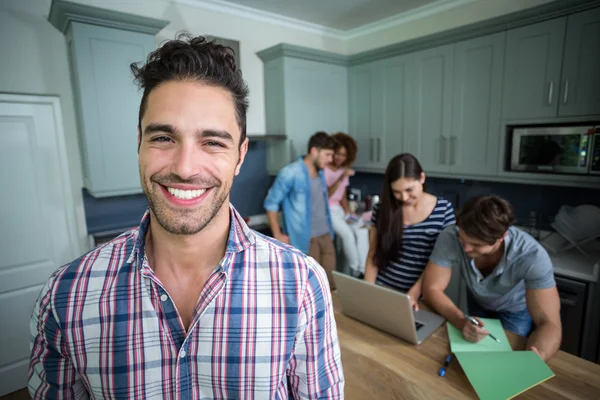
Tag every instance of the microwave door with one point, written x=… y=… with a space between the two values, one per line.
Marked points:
x=556 y=150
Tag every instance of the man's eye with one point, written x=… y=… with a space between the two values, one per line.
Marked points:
x=215 y=144
x=161 y=139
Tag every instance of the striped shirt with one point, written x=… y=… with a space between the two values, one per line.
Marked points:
x=104 y=327
x=418 y=240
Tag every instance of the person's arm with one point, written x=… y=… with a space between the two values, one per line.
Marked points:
x=435 y=281
x=347 y=173
x=449 y=217
x=415 y=293
x=277 y=193
x=315 y=369
x=344 y=203
x=51 y=371
x=371 y=270
x=273 y=218
x=544 y=307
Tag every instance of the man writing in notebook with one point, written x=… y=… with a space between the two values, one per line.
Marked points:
x=508 y=274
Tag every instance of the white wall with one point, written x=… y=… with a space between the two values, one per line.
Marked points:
x=470 y=13
x=33 y=58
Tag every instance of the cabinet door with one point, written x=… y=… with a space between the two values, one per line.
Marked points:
x=397 y=91
x=475 y=135
x=316 y=99
x=108 y=105
x=580 y=93
x=572 y=311
x=361 y=82
x=278 y=152
x=431 y=121
x=532 y=70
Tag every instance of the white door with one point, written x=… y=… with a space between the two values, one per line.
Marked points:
x=37 y=220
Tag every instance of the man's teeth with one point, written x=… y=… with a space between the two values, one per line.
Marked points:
x=186 y=194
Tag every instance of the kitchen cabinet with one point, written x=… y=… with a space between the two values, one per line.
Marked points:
x=397 y=74
x=572 y=313
x=106 y=99
x=552 y=68
x=380 y=107
x=533 y=64
x=365 y=112
x=431 y=117
x=302 y=97
x=580 y=90
x=475 y=137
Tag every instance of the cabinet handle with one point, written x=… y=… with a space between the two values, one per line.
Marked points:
x=452 y=150
x=371 y=149
x=443 y=150
x=378 y=149
x=566 y=94
x=550 y=90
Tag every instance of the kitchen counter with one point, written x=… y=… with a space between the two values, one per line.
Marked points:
x=380 y=366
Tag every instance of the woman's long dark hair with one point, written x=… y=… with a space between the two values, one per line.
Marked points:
x=390 y=221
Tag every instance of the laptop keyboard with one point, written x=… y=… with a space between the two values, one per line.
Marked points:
x=418 y=325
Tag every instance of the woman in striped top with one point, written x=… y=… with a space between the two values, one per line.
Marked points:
x=406 y=224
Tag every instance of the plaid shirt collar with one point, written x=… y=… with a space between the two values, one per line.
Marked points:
x=239 y=239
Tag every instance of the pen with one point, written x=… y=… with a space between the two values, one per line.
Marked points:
x=442 y=370
x=474 y=322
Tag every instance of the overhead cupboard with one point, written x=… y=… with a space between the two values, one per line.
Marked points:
x=451 y=98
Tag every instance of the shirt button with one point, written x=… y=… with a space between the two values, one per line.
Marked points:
x=164 y=297
x=182 y=353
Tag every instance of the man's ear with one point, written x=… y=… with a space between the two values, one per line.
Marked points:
x=243 y=152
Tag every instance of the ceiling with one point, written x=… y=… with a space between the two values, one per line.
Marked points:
x=343 y=15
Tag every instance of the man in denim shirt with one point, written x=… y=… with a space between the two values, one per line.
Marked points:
x=300 y=191
x=508 y=274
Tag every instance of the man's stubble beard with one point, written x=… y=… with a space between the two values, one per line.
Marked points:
x=185 y=222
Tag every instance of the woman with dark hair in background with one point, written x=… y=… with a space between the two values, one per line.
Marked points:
x=406 y=224
x=355 y=240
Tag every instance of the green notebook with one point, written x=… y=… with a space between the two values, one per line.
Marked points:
x=494 y=370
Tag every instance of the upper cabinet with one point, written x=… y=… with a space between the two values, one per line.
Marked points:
x=102 y=45
x=580 y=91
x=430 y=120
x=398 y=107
x=552 y=68
x=533 y=63
x=303 y=96
x=475 y=137
x=380 y=100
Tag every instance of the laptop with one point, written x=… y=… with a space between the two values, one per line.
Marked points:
x=385 y=309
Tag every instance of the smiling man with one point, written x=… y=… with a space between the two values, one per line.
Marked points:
x=508 y=275
x=192 y=304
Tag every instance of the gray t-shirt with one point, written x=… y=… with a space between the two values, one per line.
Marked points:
x=525 y=265
x=319 y=225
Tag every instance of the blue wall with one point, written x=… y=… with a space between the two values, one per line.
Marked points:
x=543 y=200
x=247 y=194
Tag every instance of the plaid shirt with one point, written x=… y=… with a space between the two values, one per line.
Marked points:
x=105 y=328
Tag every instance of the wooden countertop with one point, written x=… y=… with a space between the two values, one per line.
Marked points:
x=380 y=366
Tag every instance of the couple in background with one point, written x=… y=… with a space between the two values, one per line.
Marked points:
x=312 y=193
x=416 y=244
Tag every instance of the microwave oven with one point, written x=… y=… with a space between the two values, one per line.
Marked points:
x=573 y=149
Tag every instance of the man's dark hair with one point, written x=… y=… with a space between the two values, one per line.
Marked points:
x=486 y=218
x=321 y=140
x=189 y=58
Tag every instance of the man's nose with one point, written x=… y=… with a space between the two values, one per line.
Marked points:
x=187 y=160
